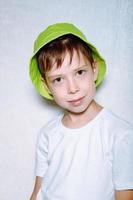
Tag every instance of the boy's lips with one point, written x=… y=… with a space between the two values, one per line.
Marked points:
x=76 y=102
x=76 y=99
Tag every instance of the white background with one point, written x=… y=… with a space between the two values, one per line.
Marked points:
x=107 y=24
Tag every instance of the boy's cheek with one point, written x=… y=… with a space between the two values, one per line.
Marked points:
x=57 y=93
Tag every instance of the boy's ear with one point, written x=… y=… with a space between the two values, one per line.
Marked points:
x=95 y=69
x=46 y=85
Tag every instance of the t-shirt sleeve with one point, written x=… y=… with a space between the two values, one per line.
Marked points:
x=123 y=161
x=41 y=154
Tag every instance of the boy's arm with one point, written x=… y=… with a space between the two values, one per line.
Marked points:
x=41 y=162
x=124 y=195
x=36 y=189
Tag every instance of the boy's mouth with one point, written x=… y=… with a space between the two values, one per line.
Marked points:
x=76 y=101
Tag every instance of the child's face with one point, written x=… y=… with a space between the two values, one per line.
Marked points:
x=73 y=84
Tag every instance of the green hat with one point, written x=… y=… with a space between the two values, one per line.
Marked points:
x=50 y=33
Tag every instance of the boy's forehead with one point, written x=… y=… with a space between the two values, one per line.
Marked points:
x=74 y=61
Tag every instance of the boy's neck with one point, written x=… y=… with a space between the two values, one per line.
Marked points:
x=76 y=120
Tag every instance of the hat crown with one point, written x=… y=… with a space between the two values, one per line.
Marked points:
x=54 y=31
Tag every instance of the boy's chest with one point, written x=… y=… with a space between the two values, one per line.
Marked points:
x=84 y=148
x=80 y=162
x=86 y=153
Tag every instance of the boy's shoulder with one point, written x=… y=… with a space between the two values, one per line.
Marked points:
x=51 y=126
x=111 y=122
x=116 y=122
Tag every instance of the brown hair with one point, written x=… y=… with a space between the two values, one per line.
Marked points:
x=55 y=51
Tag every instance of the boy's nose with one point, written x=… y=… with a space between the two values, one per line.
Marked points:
x=72 y=87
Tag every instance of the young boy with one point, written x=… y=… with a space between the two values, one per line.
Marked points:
x=85 y=153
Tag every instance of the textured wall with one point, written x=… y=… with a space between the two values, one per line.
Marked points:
x=107 y=24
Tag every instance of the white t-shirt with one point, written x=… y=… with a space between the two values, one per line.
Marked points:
x=86 y=163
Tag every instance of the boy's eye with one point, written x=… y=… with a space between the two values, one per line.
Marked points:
x=57 y=80
x=81 y=72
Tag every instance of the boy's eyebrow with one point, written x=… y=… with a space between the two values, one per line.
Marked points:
x=84 y=66
x=53 y=76
x=59 y=75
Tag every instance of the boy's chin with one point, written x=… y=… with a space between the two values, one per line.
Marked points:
x=77 y=110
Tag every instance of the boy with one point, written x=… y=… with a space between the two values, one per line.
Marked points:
x=85 y=153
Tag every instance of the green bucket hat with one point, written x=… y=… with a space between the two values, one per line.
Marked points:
x=50 y=33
